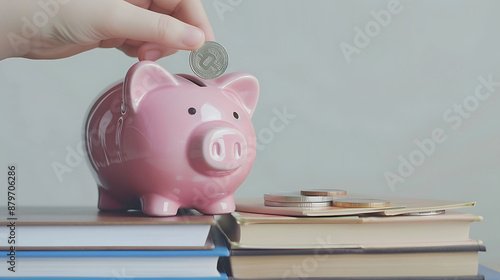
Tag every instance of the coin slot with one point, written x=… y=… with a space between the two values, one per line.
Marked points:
x=193 y=80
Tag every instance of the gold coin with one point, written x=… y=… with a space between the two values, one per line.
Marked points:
x=294 y=196
x=323 y=192
x=361 y=202
x=297 y=204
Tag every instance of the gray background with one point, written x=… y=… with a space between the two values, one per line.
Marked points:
x=352 y=120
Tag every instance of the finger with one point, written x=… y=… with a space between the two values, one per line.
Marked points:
x=188 y=11
x=153 y=52
x=140 y=3
x=134 y=43
x=131 y=51
x=111 y=43
x=148 y=51
x=135 y=23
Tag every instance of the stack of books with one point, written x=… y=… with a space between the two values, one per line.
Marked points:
x=415 y=245
x=83 y=243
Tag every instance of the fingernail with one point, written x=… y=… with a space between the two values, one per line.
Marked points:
x=192 y=36
x=152 y=55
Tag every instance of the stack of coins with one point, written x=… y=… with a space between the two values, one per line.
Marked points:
x=312 y=198
x=295 y=199
x=305 y=198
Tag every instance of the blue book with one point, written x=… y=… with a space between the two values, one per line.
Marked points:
x=219 y=251
x=222 y=276
x=489 y=273
x=193 y=264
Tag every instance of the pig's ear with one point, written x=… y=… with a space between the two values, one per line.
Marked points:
x=141 y=78
x=243 y=85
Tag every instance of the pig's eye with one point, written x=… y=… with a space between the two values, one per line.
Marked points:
x=235 y=115
x=192 y=111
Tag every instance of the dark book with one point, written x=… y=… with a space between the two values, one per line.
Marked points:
x=424 y=260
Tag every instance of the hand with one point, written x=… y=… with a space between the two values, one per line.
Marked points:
x=147 y=29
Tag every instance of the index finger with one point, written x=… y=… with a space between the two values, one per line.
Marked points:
x=188 y=11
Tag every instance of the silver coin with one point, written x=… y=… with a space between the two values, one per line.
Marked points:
x=426 y=213
x=295 y=197
x=323 y=192
x=298 y=204
x=210 y=61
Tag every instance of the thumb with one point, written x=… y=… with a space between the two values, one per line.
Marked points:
x=132 y=22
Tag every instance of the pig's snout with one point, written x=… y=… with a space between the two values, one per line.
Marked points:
x=217 y=149
x=224 y=149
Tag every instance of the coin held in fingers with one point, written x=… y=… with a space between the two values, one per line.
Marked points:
x=210 y=61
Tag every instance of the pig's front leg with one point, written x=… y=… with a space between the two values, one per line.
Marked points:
x=157 y=205
x=220 y=206
x=108 y=202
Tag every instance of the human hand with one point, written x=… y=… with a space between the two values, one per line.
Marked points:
x=147 y=29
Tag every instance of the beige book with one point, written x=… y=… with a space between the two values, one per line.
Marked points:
x=251 y=230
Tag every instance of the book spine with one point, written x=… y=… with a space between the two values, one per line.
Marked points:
x=338 y=251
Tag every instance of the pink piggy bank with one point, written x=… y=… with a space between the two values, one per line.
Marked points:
x=159 y=142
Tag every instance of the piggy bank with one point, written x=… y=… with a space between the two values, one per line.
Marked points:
x=159 y=142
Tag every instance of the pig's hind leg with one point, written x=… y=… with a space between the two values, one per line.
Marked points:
x=220 y=206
